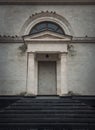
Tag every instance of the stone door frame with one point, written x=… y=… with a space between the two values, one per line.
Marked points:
x=32 y=73
x=53 y=56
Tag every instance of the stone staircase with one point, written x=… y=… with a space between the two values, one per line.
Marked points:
x=53 y=113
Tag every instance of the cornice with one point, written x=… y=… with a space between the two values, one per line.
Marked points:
x=47 y=2
x=11 y=39
x=83 y=40
x=16 y=39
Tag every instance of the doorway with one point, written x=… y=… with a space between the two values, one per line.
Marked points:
x=47 y=81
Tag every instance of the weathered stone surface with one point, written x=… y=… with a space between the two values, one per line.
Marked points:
x=81 y=18
x=77 y=67
x=81 y=69
x=13 y=67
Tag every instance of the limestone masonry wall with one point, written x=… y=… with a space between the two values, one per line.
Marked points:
x=80 y=62
x=81 y=69
x=13 y=68
x=80 y=17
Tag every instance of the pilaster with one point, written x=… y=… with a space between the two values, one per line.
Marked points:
x=64 y=89
x=31 y=86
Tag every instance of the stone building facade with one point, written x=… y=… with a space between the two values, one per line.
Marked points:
x=47 y=48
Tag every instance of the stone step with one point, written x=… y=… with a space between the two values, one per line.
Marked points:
x=48 y=104
x=49 y=120
x=44 y=107
x=25 y=115
x=57 y=124
x=79 y=111
x=45 y=113
x=21 y=101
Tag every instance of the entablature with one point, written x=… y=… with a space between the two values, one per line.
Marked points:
x=75 y=40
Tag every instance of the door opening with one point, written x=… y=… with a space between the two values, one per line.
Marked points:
x=47 y=81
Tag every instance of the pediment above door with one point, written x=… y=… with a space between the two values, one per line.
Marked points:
x=47 y=36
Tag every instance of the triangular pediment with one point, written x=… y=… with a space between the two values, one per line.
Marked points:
x=47 y=35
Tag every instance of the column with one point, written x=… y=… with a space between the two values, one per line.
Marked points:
x=31 y=86
x=64 y=89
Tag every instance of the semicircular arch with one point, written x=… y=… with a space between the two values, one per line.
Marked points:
x=46 y=16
